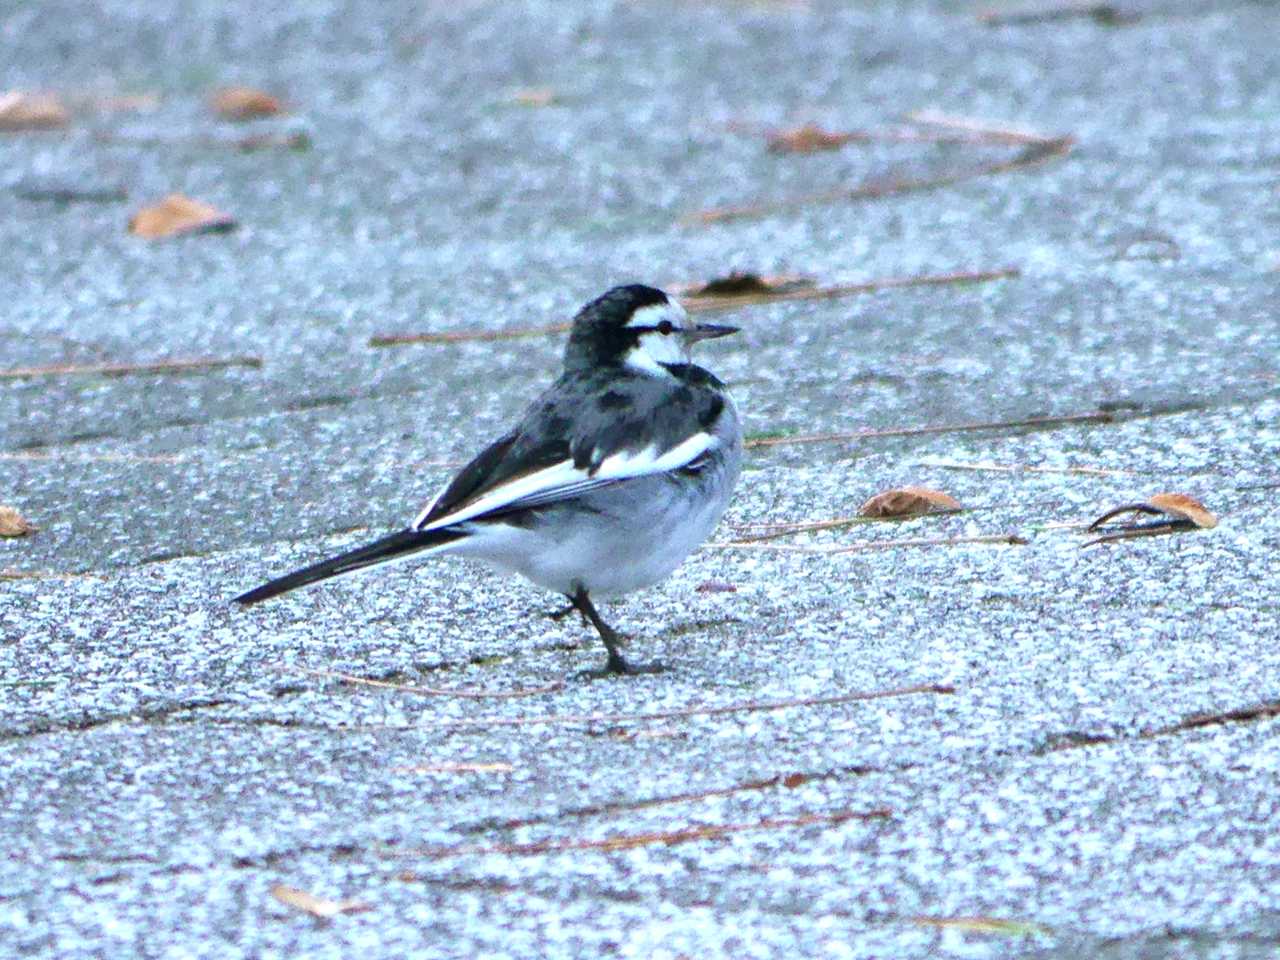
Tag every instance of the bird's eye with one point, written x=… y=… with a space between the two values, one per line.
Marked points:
x=665 y=327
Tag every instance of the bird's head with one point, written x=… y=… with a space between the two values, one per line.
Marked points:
x=637 y=327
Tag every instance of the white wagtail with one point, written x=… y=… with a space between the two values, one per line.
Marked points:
x=610 y=479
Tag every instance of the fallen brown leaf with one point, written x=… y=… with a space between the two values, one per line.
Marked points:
x=1177 y=511
x=14 y=524
x=1185 y=507
x=177 y=215
x=742 y=284
x=316 y=906
x=32 y=111
x=807 y=139
x=244 y=103
x=908 y=502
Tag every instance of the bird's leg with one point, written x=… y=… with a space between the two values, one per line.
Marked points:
x=617 y=663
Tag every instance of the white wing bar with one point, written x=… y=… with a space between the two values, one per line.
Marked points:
x=563 y=480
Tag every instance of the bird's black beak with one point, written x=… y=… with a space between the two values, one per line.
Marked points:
x=707 y=331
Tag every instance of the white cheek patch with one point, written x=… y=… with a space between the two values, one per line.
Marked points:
x=655 y=349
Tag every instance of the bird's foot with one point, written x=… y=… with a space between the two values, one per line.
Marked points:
x=617 y=666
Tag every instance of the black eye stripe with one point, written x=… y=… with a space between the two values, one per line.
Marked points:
x=665 y=327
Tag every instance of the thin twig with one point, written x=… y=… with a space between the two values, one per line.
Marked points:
x=456 y=768
x=1260 y=711
x=124 y=369
x=1195 y=721
x=771 y=531
x=780 y=140
x=617 y=719
x=777 y=530
x=1011 y=539
x=466 y=336
x=286 y=140
x=987 y=130
x=1157 y=529
x=708 y=305
x=1020 y=468
x=1107 y=13
x=1033 y=154
x=790 y=781
x=1099 y=416
x=9 y=573
x=630 y=841
x=66 y=456
x=462 y=692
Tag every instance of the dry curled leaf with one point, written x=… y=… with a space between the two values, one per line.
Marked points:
x=32 y=111
x=14 y=524
x=807 y=139
x=244 y=103
x=908 y=502
x=742 y=284
x=176 y=215
x=1176 y=511
x=1185 y=507
x=316 y=906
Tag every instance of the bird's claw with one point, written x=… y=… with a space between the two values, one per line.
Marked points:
x=616 y=666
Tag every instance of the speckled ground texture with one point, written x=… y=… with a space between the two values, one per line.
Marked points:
x=1088 y=766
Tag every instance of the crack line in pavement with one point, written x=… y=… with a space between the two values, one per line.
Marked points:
x=630 y=841
x=89 y=723
x=790 y=781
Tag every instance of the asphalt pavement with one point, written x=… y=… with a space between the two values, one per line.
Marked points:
x=966 y=735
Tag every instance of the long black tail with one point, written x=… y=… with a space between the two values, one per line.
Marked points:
x=388 y=548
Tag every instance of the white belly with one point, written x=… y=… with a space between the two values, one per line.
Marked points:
x=612 y=541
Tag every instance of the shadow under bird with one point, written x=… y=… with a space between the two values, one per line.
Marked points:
x=609 y=480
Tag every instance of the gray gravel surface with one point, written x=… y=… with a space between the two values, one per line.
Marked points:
x=1061 y=752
